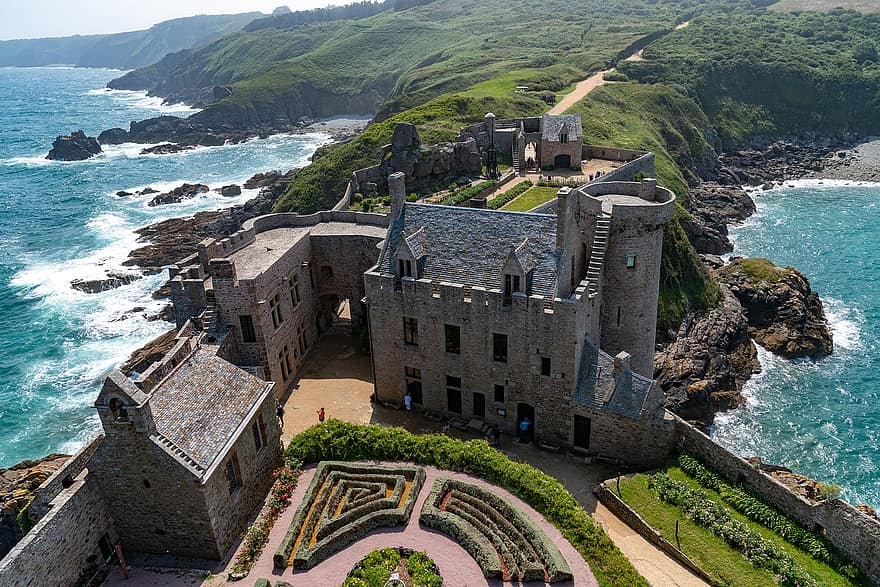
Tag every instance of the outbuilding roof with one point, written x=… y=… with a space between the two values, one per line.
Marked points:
x=552 y=125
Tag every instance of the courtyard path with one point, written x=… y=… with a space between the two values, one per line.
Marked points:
x=584 y=87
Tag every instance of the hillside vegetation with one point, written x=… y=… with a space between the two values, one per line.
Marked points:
x=410 y=56
x=123 y=50
x=759 y=73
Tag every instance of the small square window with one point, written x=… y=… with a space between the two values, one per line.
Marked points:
x=630 y=261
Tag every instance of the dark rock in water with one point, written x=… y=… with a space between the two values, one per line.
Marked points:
x=178 y=194
x=229 y=190
x=113 y=136
x=269 y=179
x=713 y=207
x=147 y=191
x=74 y=147
x=165 y=149
x=112 y=281
x=703 y=370
x=124 y=194
x=785 y=315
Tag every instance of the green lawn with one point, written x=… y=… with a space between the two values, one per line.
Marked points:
x=711 y=553
x=531 y=198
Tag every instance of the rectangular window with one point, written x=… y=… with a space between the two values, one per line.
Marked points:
x=411 y=331
x=499 y=347
x=275 y=308
x=259 y=431
x=453 y=400
x=295 y=297
x=453 y=381
x=545 y=366
x=499 y=393
x=247 y=329
x=405 y=267
x=284 y=361
x=414 y=384
x=233 y=473
x=630 y=261
x=453 y=339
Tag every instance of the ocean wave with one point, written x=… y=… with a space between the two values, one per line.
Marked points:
x=814 y=183
x=140 y=99
x=845 y=323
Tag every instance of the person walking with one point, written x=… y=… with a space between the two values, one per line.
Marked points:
x=407 y=402
x=321 y=415
x=279 y=411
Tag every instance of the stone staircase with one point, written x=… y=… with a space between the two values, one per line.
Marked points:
x=209 y=317
x=597 y=253
x=517 y=148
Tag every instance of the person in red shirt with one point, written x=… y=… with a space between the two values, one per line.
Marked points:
x=321 y=415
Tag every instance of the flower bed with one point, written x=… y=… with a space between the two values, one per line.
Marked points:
x=343 y=502
x=501 y=538
x=758 y=511
x=717 y=519
x=344 y=441
x=467 y=193
x=258 y=534
x=376 y=567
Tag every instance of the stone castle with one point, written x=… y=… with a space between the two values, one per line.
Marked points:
x=478 y=315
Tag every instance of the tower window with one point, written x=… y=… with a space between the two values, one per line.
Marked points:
x=499 y=347
x=405 y=267
x=247 y=329
x=453 y=339
x=630 y=261
x=410 y=331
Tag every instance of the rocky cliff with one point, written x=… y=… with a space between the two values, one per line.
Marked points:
x=73 y=147
x=712 y=207
x=785 y=315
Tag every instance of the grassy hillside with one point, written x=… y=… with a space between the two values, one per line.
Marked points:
x=410 y=56
x=761 y=73
x=123 y=50
x=825 y=5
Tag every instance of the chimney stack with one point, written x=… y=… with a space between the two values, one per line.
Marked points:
x=397 y=190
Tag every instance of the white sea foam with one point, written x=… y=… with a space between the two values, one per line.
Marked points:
x=845 y=323
x=140 y=99
x=814 y=183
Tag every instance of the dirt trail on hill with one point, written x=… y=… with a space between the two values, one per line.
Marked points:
x=584 y=87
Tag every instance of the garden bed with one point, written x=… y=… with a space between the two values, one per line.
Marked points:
x=530 y=199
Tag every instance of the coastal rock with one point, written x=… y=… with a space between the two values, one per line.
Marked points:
x=703 y=370
x=229 y=190
x=17 y=484
x=124 y=194
x=147 y=191
x=74 y=147
x=178 y=194
x=112 y=281
x=166 y=149
x=713 y=207
x=269 y=179
x=785 y=315
x=780 y=160
x=113 y=136
x=151 y=352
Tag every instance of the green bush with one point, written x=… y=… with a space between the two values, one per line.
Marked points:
x=337 y=440
x=463 y=195
x=758 y=511
x=510 y=195
x=23 y=519
x=376 y=567
x=615 y=76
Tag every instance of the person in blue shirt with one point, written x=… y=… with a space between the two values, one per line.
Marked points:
x=524 y=426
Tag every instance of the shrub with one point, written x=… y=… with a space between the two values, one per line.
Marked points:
x=615 y=76
x=510 y=195
x=343 y=441
x=463 y=195
x=374 y=569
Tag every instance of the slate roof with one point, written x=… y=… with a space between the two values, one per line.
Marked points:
x=469 y=246
x=553 y=124
x=202 y=403
x=597 y=388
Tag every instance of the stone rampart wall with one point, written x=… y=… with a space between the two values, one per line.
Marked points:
x=611 y=153
x=58 y=550
x=54 y=485
x=290 y=219
x=854 y=533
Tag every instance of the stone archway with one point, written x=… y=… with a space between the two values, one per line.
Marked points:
x=562 y=161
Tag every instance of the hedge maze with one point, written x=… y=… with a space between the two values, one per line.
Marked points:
x=344 y=502
x=502 y=539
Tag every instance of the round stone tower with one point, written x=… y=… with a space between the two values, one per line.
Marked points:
x=633 y=216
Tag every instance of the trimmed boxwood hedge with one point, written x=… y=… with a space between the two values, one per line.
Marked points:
x=343 y=441
x=510 y=533
x=335 y=534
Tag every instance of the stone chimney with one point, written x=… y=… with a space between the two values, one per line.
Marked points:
x=397 y=190
x=490 y=127
x=622 y=371
x=648 y=189
x=561 y=216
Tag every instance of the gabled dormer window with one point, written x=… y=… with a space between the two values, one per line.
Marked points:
x=512 y=284
x=405 y=266
x=563 y=138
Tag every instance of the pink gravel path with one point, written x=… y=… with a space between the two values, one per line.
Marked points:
x=458 y=568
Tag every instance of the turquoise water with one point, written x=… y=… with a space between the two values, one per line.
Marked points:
x=60 y=221
x=820 y=418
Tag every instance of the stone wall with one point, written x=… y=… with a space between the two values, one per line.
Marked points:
x=644 y=444
x=854 y=533
x=51 y=487
x=231 y=512
x=64 y=543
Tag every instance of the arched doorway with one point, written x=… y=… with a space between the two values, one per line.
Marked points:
x=562 y=162
x=531 y=155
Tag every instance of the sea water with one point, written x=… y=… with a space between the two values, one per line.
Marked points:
x=820 y=418
x=61 y=221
